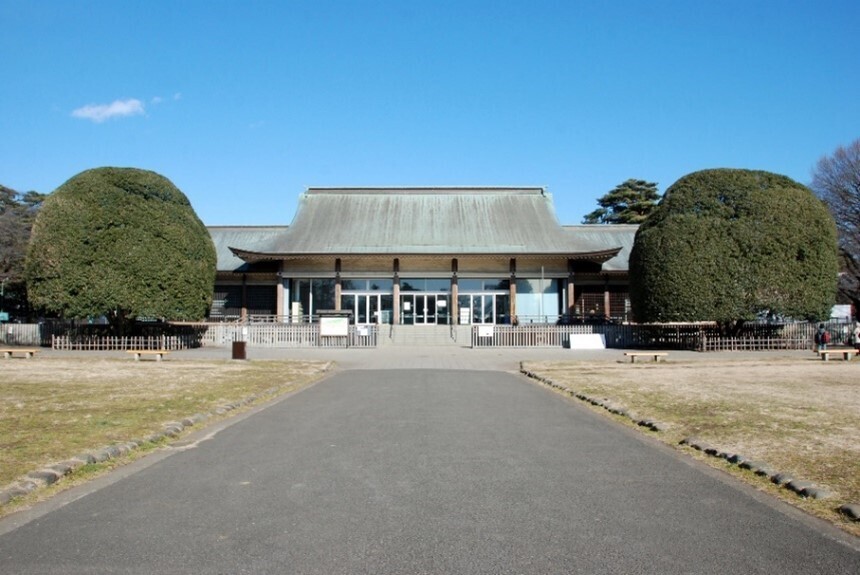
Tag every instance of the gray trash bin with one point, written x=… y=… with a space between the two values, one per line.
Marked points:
x=239 y=350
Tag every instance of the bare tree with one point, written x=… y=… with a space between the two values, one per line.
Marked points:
x=836 y=179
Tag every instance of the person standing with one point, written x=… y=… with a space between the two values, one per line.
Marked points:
x=822 y=338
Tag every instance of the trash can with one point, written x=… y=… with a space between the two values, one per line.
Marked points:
x=239 y=350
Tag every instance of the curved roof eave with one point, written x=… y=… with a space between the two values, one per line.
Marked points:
x=596 y=256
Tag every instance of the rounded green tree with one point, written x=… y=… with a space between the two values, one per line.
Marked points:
x=122 y=243
x=728 y=245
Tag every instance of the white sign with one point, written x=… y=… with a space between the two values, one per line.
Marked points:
x=587 y=341
x=334 y=326
x=485 y=331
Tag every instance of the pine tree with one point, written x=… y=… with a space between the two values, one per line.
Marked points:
x=629 y=203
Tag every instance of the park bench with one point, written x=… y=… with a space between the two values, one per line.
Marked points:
x=847 y=353
x=655 y=354
x=138 y=353
x=10 y=351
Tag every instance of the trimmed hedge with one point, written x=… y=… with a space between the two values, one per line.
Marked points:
x=123 y=243
x=727 y=245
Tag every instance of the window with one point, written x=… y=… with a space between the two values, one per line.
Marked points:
x=314 y=294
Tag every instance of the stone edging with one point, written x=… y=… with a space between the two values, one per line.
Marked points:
x=51 y=474
x=802 y=488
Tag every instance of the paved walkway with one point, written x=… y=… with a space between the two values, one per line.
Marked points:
x=421 y=471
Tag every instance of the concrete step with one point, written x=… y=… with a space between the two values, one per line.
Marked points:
x=420 y=335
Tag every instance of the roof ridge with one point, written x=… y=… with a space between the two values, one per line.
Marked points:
x=424 y=189
x=251 y=226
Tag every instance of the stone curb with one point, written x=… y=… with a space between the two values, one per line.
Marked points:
x=802 y=488
x=51 y=474
x=608 y=405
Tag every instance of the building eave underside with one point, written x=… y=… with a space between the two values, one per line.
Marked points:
x=597 y=256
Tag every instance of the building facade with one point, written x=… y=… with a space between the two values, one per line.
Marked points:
x=424 y=256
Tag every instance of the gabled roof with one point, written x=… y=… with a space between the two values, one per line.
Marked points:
x=423 y=221
x=606 y=236
x=249 y=237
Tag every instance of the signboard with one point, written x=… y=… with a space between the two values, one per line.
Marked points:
x=334 y=326
x=465 y=316
x=587 y=341
x=4 y=316
x=485 y=331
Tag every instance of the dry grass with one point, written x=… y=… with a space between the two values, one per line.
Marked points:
x=53 y=409
x=800 y=416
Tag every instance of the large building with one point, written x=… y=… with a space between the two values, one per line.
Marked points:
x=468 y=255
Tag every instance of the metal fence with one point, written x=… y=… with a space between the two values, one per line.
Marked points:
x=122 y=343
x=68 y=336
x=29 y=334
x=615 y=336
x=299 y=335
x=695 y=337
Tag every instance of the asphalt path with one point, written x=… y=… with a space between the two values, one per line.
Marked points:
x=420 y=471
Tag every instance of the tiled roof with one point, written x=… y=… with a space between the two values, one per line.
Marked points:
x=596 y=237
x=249 y=237
x=426 y=221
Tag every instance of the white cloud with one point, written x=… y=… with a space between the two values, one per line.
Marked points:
x=98 y=113
x=157 y=100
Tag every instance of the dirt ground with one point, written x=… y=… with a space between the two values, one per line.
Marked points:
x=54 y=408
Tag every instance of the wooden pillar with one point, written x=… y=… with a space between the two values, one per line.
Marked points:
x=244 y=312
x=337 y=286
x=571 y=289
x=607 y=312
x=280 y=309
x=455 y=292
x=396 y=293
x=512 y=311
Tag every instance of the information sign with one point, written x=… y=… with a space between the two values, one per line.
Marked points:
x=334 y=326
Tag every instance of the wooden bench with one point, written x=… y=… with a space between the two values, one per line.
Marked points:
x=847 y=353
x=138 y=353
x=8 y=352
x=655 y=354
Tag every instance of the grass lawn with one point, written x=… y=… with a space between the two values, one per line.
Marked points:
x=801 y=416
x=52 y=409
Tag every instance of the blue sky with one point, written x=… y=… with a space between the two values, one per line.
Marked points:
x=243 y=105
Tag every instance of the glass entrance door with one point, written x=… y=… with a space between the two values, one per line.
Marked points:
x=481 y=308
x=423 y=308
x=429 y=308
x=367 y=308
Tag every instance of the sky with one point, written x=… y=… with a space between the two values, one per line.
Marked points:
x=245 y=105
